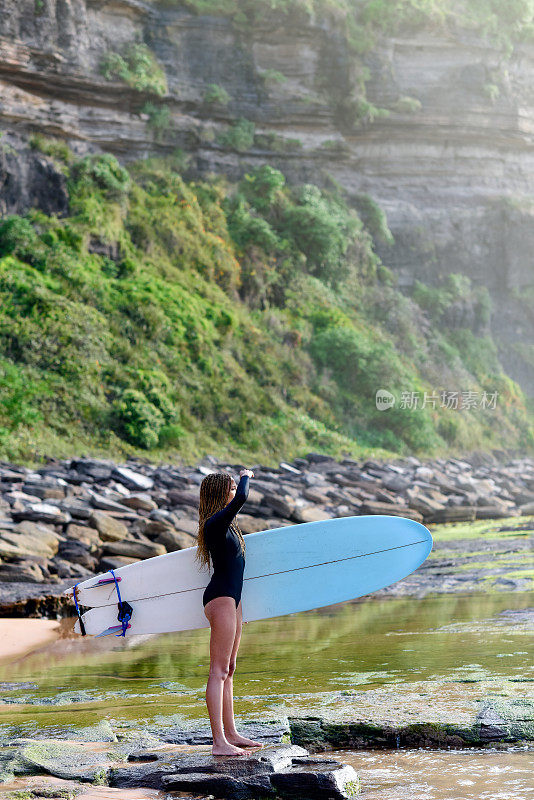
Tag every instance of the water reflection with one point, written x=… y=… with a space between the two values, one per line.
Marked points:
x=303 y=657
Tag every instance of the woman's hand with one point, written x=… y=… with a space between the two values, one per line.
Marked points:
x=246 y=472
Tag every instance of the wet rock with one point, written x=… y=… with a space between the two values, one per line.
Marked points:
x=35 y=600
x=149 y=774
x=110 y=529
x=269 y=772
x=64 y=760
x=319 y=782
x=506 y=719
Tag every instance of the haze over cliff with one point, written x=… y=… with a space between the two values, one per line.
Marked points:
x=429 y=116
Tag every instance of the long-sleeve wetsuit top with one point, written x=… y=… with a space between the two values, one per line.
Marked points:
x=225 y=549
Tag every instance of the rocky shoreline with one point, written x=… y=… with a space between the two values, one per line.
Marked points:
x=176 y=758
x=72 y=519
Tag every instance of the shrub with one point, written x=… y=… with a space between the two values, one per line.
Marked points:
x=17 y=398
x=374 y=218
x=407 y=105
x=271 y=76
x=19 y=238
x=216 y=95
x=240 y=136
x=246 y=229
x=492 y=91
x=364 y=112
x=137 y=67
x=321 y=228
x=137 y=419
x=55 y=148
x=158 y=119
x=262 y=186
x=171 y=436
x=101 y=174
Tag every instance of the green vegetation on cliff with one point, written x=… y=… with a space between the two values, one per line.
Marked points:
x=504 y=23
x=252 y=319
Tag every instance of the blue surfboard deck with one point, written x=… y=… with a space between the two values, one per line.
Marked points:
x=290 y=569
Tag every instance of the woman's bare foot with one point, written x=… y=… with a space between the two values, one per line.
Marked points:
x=227 y=749
x=242 y=740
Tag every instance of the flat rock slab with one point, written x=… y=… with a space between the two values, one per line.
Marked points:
x=275 y=771
x=284 y=771
x=425 y=714
x=67 y=760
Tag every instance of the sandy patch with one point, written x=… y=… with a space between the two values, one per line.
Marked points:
x=21 y=636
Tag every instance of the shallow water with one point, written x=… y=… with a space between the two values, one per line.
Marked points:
x=442 y=775
x=287 y=664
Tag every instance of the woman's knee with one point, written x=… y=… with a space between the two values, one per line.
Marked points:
x=219 y=671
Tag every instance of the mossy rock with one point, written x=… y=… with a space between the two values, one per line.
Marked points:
x=65 y=760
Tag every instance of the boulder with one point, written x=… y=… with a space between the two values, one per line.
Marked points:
x=173 y=540
x=115 y=562
x=21 y=572
x=65 y=569
x=315 y=495
x=27 y=538
x=82 y=533
x=78 y=553
x=371 y=507
x=105 y=503
x=42 y=512
x=133 y=548
x=310 y=514
x=109 y=528
x=183 y=497
x=282 y=504
x=132 y=479
x=454 y=514
x=139 y=501
x=494 y=512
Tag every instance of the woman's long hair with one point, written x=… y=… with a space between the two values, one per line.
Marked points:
x=214 y=491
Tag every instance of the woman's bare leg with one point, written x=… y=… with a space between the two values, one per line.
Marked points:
x=221 y=614
x=230 y=731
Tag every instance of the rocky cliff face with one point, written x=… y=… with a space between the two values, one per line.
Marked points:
x=452 y=164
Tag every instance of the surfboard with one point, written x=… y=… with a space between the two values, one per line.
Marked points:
x=287 y=570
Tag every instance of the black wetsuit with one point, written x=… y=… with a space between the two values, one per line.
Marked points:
x=225 y=549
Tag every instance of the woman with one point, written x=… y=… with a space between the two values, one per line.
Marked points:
x=220 y=537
